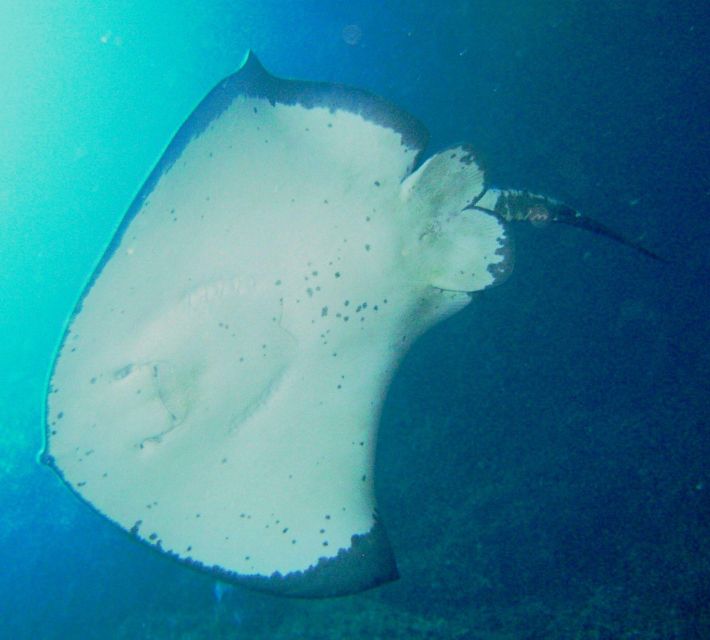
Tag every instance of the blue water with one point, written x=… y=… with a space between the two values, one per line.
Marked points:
x=543 y=460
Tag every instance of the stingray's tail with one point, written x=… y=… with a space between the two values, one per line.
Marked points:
x=567 y=215
x=521 y=206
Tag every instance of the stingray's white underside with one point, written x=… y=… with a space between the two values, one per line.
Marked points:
x=219 y=387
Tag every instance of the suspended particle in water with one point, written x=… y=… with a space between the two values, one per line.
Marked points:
x=352 y=34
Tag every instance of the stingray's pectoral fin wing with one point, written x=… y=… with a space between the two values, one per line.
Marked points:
x=218 y=389
x=522 y=206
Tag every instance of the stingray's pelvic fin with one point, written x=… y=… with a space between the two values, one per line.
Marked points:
x=522 y=206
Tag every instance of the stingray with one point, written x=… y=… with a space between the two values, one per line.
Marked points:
x=218 y=387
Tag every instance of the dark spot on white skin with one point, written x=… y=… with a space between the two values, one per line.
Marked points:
x=324 y=312
x=122 y=372
x=377 y=183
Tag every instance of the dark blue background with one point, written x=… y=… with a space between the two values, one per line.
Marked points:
x=543 y=460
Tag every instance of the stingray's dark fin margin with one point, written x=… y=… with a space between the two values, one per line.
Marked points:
x=522 y=206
